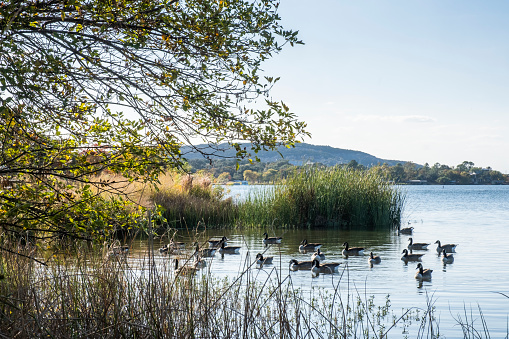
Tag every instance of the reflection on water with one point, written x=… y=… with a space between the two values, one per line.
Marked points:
x=471 y=216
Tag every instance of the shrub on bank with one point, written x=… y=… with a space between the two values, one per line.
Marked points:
x=191 y=201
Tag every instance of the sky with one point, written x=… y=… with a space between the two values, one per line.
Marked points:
x=421 y=81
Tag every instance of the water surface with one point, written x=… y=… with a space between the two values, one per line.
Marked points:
x=475 y=217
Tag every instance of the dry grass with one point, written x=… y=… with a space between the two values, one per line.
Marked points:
x=142 y=193
x=85 y=295
x=192 y=200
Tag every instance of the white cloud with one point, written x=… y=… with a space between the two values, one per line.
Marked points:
x=393 y=118
x=418 y=119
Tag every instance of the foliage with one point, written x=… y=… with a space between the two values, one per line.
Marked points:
x=91 y=86
x=223 y=178
x=334 y=196
x=245 y=170
x=463 y=174
x=251 y=176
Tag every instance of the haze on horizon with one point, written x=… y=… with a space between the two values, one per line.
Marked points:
x=421 y=81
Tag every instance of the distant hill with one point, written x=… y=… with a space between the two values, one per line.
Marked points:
x=302 y=153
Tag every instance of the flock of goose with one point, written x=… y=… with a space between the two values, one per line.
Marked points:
x=316 y=265
x=444 y=250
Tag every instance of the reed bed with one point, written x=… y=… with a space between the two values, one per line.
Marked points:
x=87 y=295
x=191 y=201
x=331 y=197
x=183 y=200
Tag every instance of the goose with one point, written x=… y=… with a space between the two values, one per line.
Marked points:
x=417 y=245
x=204 y=252
x=118 y=251
x=216 y=242
x=185 y=270
x=323 y=268
x=300 y=265
x=199 y=262
x=271 y=240
x=449 y=248
x=318 y=256
x=306 y=246
x=410 y=257
x=172 y=247
x=374 y=259
x=423 y=274
x=177 y=244
x=229 y=249
x=261 y=260
x=447 y=258
x=352 y=250
x=406 y=230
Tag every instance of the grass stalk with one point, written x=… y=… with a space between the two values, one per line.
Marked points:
x=88 y=295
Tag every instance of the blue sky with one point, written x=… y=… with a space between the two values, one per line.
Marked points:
x=421 y=81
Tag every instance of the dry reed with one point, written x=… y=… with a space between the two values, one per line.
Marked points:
x=87 y=295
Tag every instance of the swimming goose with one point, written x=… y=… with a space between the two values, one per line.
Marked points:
x=229 y=249
x=204 y=252
x=271 y=240
x=447 y=258
x=406 y=230
x=185 y=270
x=352 y=250
x=417 y=245
x=323 y=268
x=118 y=251
x=449 y=248
x=306 y=246
x=177 y=244
x=410 y=257
x=261 y=260
x=172 y=247
x=318 y=256
x=300 y=265
x=199 y=263
x=216 y=242
x=374 y=259
x=423 y=274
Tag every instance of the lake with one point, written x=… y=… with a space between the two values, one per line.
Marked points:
x=475 y=217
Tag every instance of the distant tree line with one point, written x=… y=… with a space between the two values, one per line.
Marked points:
x=463 y=174
x=227 y=170
x=466 y=173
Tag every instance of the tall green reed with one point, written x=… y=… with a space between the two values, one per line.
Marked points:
x=330 y=197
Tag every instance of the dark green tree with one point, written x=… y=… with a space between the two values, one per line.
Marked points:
x=397 y=173
x=353 y=164
x=465 y=166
